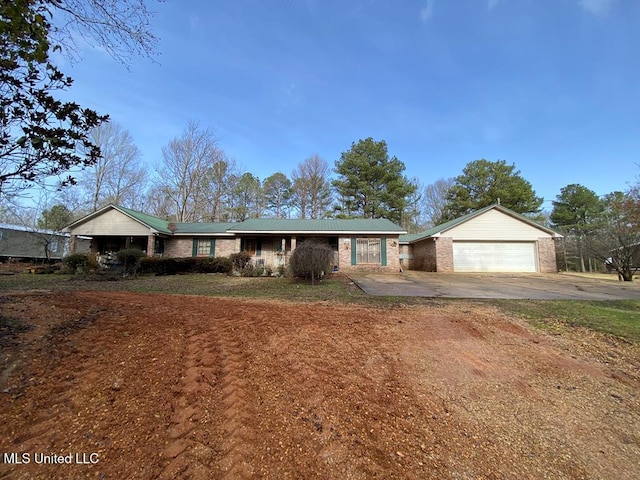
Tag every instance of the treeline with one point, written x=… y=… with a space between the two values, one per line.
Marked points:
x=196 y=182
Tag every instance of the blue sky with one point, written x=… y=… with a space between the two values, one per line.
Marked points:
x=550 y=85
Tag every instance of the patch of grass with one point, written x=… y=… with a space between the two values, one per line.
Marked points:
x=336 y=288
x=276 y=288
x=28 y=281
x=620 y=318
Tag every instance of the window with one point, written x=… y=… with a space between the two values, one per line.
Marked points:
x=250 y=246
x=279 y=245
x=368 y=250
x=204 y=247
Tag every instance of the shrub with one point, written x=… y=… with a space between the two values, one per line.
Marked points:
x=248 y=270
x=216 y=265
x=130 y=256
x=79 y=262
x=240 y=260
x=157 y=265
x=173 y=266
x=311 y=259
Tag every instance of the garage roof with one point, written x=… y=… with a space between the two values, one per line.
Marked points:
x=438 y=230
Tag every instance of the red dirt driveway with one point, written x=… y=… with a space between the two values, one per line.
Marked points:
x=150 y=386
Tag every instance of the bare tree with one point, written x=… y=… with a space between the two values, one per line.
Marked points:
x=185 y=163
x=118 y=176
x=158 y=205
x=434 y=199
x=218 y=183
x=311 y=189
x=121 y=27
x=411 y=219
x=616 y=239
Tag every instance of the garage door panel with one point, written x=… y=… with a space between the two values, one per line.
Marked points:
x=494 y=257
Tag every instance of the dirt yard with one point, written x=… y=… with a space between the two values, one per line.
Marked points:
x=133 y=386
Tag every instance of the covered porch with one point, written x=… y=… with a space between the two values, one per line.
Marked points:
x=274 y=251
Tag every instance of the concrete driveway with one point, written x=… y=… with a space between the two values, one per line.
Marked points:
x=514 y=286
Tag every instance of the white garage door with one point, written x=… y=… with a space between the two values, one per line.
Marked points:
x=494 y=257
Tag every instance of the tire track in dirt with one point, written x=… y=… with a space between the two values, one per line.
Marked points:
x=188 y=453
x=238 y=417
x=211 y=422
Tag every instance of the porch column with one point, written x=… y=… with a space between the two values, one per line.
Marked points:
x=293 y=243
x=151 y=244
x=72 y=244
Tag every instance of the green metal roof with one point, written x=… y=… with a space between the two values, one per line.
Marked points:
x=257 y=225
x=149 y=220
x=274 y=225
x=202 y=228
x=415 y=237
x=184 y=228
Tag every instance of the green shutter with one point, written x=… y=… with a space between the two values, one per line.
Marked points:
x=258 y=247
x=212 y=248
x=354 y=255
x=383 y=251
x=194 y=249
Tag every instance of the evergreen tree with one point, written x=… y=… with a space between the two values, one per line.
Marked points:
x=370 y=184
x=484 y=183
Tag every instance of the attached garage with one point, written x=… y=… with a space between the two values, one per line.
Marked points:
x=493 y=239
x=494 y=256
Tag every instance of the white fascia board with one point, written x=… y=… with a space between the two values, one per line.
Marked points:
x=204 y=234
x=314 y=232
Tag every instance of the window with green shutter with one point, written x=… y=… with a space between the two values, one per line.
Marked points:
x=203 y=247
x=368 y=250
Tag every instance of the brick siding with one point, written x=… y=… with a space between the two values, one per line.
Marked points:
x=547 y=255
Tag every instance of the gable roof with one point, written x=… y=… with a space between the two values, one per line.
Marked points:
x=376 y=226
x=438 y=230
x=153 y=223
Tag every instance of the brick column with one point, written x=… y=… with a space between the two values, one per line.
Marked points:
x=72 y=244
x=151 y=245
x=547 y=255
x=444 y=253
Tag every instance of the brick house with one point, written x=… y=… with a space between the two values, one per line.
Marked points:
x=358 y=244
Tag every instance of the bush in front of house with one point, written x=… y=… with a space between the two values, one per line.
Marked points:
x=130 y=258
x=215 y=265
x=80 y=262
x=173 y=266
x=240 y=261
x=157 y=266
x=311 y=259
